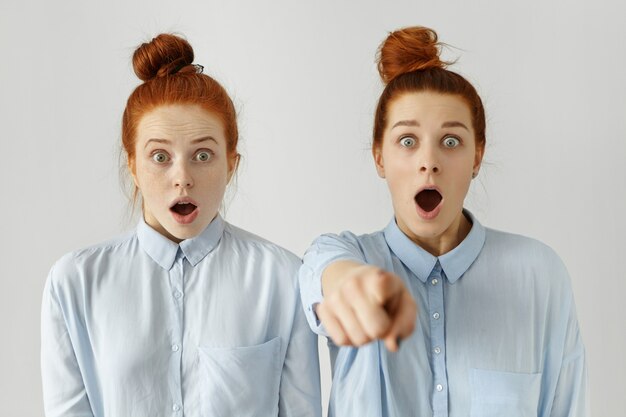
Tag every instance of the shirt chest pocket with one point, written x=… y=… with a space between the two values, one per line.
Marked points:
x=241 y=381
x=496 y=394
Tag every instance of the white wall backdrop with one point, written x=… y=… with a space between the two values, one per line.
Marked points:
x=551 y=73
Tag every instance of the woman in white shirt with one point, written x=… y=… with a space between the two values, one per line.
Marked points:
x=187 y=315
x=496 y=333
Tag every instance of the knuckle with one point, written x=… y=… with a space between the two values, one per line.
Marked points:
x=376 y=330
x=332 y=302
x=362 y=340
x=379 y=333
x=340 y=339
x=379 y=281
x=351 y=286
x=365 y=269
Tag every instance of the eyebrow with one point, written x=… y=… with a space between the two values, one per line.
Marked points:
x=406 y=123
x=193 y=142
x=454 y=124
x=416 y=123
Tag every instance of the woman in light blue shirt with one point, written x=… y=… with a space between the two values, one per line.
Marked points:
x=496 y=333
x=187 y=315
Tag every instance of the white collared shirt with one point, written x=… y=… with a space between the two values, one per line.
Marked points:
x=213 y=326
x=496 y=332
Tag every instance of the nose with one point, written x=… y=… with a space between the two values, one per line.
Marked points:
x=182 y=176
x=430 y=163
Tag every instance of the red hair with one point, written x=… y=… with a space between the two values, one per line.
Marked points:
x=165 y=66
x=408 y=61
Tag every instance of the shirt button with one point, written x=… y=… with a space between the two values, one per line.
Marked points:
x=436 y=316
x=175 y=348
x=178 y=294
x=439 y=387
x=435 y=281
x=437 y=350
x=176 y=407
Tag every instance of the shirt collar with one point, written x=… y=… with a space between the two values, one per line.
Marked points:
x=163 y=251
x=421 y=263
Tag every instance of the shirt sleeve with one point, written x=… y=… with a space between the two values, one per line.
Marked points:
x=570 y=396
x=325 y=250
x=565 y=370
x=300 y=381
x=64 y=392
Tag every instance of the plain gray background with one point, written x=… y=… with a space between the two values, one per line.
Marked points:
x=302 y=74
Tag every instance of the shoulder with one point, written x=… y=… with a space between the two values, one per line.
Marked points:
x=519 y=245
x=529 y=254
x=249 y=244
x=330 y=247
x=349 y=240
x=71 y=266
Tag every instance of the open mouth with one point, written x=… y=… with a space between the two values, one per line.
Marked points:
x=183 y=209
x=428 y=199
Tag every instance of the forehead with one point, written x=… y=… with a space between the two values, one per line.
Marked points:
x=179 y=122
x=429 y=107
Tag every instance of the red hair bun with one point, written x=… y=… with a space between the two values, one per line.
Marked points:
x=407 y=50
x=164 y=55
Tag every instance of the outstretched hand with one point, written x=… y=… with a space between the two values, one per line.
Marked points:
x=364 y=303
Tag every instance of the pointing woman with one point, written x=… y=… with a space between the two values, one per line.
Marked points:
x=187 y=315
x=496 y=333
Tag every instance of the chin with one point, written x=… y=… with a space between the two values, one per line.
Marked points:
x=178 y=233
x=187 y=232
x=422 y=228
x=427 y=230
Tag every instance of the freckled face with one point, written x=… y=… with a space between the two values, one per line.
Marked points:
x=428 y=155
x=181 y=169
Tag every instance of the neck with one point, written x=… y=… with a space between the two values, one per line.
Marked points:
x=448 y=240
x=154 y=223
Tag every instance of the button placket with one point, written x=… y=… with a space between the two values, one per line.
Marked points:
x=435 y=290
x=176 y=283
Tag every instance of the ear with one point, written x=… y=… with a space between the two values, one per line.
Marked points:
x=478 y=158
x=377 y=153
x=233 y=164
x=131 y=168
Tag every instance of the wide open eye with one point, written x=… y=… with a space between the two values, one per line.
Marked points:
x=160 y=157
x=451 y=142
x=202 y=156
x=407 y=141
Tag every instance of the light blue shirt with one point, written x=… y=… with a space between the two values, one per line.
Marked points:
x=496 y=334
x=213 y=326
